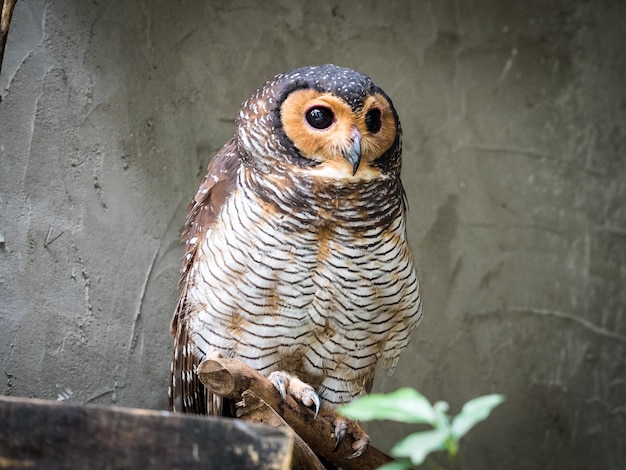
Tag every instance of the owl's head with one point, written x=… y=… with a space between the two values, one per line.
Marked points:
x=322 y=121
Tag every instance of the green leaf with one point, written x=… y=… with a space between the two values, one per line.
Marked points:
x=402 y=464
x=442 y=420
x=473 y=412
x=406 y=405
x=417 y=446
x=441 y=406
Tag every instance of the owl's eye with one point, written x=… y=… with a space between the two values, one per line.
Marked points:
x=372 y=120
x=320 y=117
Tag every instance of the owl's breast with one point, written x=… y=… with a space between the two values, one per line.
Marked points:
x=274 y=288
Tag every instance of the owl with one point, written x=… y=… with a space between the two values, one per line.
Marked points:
x=297 y=261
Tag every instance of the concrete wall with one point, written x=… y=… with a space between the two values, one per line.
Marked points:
x=514 y=116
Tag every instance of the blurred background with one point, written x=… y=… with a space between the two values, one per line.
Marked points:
x=514 y=118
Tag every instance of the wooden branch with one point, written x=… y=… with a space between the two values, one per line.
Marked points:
x=234 y=379
x=254 y=410
x=5 y=21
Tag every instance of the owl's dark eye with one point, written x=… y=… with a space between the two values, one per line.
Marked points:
x=320 y=117
x=372 y=120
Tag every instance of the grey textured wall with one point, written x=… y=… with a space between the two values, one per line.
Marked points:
x=514 y=116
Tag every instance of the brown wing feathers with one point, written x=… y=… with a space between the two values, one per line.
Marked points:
x=186 y=393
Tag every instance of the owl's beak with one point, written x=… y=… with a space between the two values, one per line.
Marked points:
x=353 y=152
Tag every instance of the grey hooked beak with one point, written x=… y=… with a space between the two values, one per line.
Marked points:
x=353 y=152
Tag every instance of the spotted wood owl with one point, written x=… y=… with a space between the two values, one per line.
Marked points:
x=297 y=260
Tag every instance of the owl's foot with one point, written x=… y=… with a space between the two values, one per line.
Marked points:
x=361 y=439
x=300 y=391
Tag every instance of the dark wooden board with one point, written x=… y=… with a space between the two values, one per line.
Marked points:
x=37 y=434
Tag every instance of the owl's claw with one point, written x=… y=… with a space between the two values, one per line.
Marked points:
x=341 y=427
x=302 y=392
x=316 y=401
x=278 y=380
x=361 y=441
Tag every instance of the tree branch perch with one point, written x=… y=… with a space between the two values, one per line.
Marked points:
x=5 y=21
x=234 y=379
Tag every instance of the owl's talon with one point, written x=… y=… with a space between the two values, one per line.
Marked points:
x=316 y=401
x=278 y=381
x=361 y=440
x=341 y=427
x=300 y=391
x=359 y=447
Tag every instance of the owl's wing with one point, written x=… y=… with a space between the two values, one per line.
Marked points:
x=187 y=393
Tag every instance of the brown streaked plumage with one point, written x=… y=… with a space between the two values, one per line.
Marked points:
x=296 y=254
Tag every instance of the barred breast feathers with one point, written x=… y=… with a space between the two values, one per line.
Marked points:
x=292 y=276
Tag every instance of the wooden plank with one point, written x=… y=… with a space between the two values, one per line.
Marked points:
x=37 y=434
